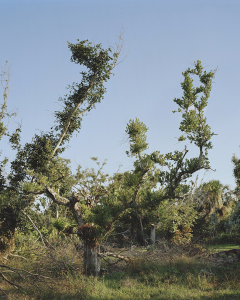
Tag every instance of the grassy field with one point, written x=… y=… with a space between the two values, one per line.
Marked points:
x=157 y=273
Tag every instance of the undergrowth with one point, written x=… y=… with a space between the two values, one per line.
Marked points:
x=157 y=273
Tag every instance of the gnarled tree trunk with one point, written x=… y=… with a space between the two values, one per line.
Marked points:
x=92 y=261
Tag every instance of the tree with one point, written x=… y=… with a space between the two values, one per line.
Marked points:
x=175 y=167
x=134 y=199
x=236 y=172
x=7 y=215
x=234 y=222
x=130 y=197
x=37 y=168
x=209 y=197
x=214 y=203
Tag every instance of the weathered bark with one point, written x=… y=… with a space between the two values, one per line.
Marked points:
x=153 y=234
x=120 y=257
x=92 y=261
x=71 y=203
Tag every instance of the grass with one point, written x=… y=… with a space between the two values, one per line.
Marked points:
x=157 y=273
x=225 y=247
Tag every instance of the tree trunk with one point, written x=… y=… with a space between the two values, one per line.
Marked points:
x=153 y=234
x=92 y=262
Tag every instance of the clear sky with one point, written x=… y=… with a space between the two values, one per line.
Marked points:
x=162 y=39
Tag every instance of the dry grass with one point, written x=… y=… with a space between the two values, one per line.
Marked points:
x=162 y=272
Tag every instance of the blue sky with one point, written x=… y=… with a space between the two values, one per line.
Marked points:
x=162 y=39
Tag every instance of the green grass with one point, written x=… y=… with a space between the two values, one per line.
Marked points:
x=224 y=247
x=177 y=279
x=153 y=274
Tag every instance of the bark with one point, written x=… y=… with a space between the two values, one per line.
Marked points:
x=71 y=203
x=120 y=257
x=92 y=261
x=153 y=234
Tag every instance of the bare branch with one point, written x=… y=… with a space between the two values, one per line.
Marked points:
x=71 y=203
x=126 y=259
x=35 y=227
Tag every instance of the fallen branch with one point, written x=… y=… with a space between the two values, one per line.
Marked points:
x=112 y=263
x=24 y=277
x=63 y=264
x=120 y=257
x=19 y=256
x=17 y=271
x=17 y=286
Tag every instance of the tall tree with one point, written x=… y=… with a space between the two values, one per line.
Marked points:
x=37 y=168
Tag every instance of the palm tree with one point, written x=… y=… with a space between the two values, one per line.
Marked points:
x=214 y=203
x=213 y=194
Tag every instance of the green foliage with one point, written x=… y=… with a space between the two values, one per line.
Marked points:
x=194 y=123
x=5 y=115
x=38 y=161
x=33 y=160
x=236 y=172
x=14 y=139
x=139 y=185
x=134 y=197
x=136 y=131
x=37 y=165
x=214 y=204
x=213 y=198
x=9 y=218
x=177 y=220
x=132 y=200
x=84 y=95
x=2 y=177
x=234 y=222
x=91 y=184
x=194 y=127
x=60 y=224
